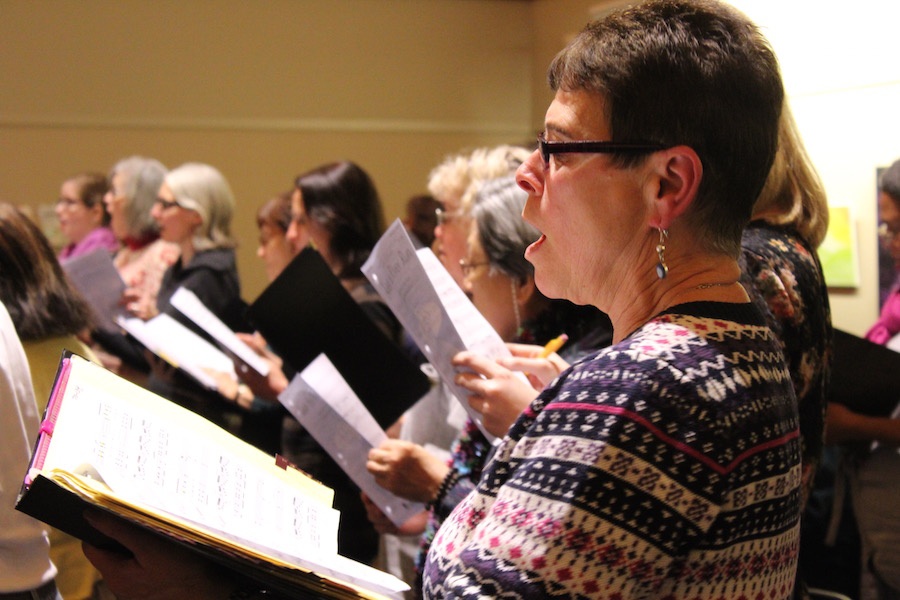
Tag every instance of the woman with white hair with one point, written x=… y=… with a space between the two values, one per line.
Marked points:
x=193 y=208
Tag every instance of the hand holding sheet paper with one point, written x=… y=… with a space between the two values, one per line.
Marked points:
x=432 y=307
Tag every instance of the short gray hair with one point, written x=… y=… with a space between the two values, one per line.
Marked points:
x=143 y=177
x=503 y=233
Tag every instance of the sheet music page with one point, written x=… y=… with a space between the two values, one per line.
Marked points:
x=180 y=347
x=157 y=453
x=431 y=307
x=95 y=276
x=190 y=305
x=322 y=401
x=474 y=330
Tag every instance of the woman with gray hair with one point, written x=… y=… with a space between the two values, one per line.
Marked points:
x=143 y=257
x=193 y=208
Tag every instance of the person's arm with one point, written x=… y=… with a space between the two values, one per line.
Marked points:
x=547 y=528
x=843 y=426
x=888 y=323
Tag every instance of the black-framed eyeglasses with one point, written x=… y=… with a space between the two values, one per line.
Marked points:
x=591 y=147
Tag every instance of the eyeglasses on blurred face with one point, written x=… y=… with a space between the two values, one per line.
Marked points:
x=468 y=266
x=65 y=202
x=166 y=204
x=446 y=216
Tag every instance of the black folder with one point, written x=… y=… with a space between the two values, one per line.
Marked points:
x=306 y=311
x=865 y=376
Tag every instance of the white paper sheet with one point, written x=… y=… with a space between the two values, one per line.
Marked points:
x=432 y=308
x=96 y=277
x=190 y=305
x=180 y=347
x=322 y=401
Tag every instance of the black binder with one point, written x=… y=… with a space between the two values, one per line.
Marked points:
x=306 y=311
x=865 y=376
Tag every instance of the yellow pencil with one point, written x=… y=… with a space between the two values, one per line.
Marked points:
x=553 y=345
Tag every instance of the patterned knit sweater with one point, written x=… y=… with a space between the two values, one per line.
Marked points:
x=666 y=466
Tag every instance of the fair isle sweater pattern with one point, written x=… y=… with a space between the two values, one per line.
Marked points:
x=666 y=466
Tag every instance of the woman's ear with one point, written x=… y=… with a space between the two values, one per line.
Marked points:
x=675 y=180
x=96 y=213
x=525 y=291
x=196 y=220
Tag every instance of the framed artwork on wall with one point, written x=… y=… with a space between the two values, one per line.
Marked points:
x=839 y=251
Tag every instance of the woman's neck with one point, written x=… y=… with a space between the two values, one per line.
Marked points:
x=715 y=279
x=187 y=252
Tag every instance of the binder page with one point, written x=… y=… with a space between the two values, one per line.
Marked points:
x=322 y=401
x=190 y=305
x=152 y=452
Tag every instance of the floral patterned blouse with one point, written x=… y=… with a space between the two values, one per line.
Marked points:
x=783 y=277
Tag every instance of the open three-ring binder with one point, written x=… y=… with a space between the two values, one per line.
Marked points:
x=108 y=444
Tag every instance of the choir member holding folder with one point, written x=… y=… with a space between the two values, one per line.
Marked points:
x=262 y=423
x=335 y=209
x=141 y=260
x=83 y=219
x=194 y=208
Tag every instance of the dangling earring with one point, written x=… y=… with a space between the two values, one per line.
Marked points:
x=662 y=269
x=515 y=300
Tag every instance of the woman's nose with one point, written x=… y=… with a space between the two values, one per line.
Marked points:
x=530 y=174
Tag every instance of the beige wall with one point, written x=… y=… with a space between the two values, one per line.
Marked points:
x=261 y=90
x=843 y=81
x=265 y=90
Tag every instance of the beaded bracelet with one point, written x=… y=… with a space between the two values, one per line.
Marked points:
x=448 y=482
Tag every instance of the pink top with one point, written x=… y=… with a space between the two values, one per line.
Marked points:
x=101 y=237
x=888 y=323
x=142 y=270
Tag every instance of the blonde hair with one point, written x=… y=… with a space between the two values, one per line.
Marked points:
x=460 y=176
x=793 y=194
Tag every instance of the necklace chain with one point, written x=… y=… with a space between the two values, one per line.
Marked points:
x=706 y=286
